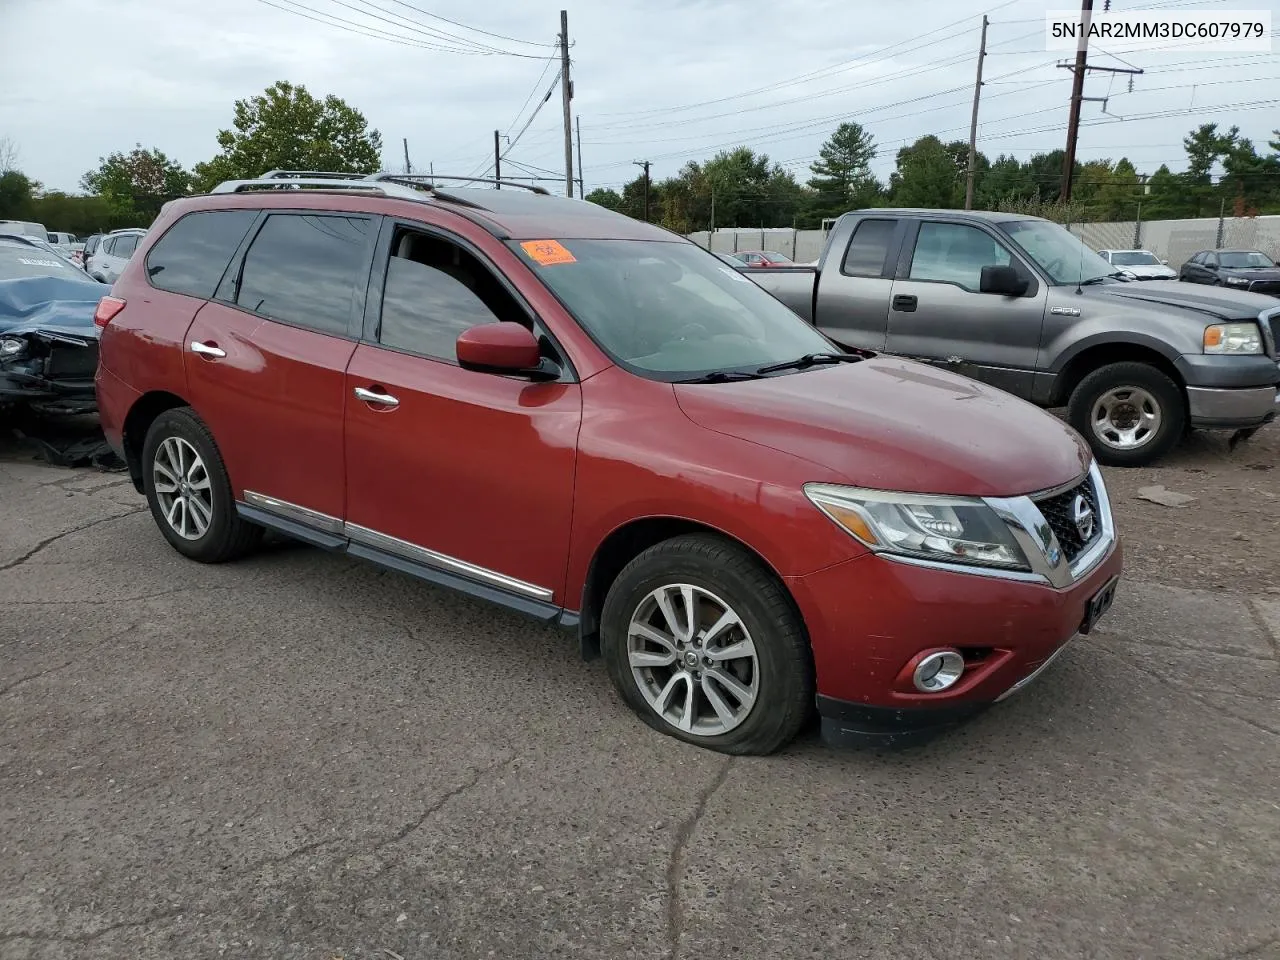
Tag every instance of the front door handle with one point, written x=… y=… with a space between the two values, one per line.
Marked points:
x=373 y=396
x=904 y=302
x=207 y=349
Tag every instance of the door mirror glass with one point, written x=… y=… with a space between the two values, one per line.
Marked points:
x=1164 y=263
x=1002 y=280
x=1210 y=265
x=498 y=348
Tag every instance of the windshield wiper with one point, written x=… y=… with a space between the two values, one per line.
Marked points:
x=1105 y=276
x=723 y=376
x=809 y=360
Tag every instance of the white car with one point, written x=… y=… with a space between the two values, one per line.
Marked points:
x=1139 y=264
x=108 y=261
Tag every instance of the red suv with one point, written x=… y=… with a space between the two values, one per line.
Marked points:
x=596 y=422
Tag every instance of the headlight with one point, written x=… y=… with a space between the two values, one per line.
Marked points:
x=1233 y=338
x=951 y=529
x=1237 y=281
x=11 y=348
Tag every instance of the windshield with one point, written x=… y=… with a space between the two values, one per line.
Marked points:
x=776 y=257
x=1244 y=259
x=20 y=261
x=669 y=310
x=1064 y=257
x=1134 y=258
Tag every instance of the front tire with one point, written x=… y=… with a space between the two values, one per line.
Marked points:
x=189 y=493
x=1130 y=413
x=706 y=646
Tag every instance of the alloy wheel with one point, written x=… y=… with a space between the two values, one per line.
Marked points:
x=182 y=488
x=693 y=660
x=1125 y=418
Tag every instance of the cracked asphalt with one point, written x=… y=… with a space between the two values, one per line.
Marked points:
x=301 y=756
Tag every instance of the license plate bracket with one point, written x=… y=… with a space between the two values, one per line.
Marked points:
x=1098 y=605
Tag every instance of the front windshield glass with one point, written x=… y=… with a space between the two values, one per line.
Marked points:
x=1244 y=259
x=1134 y=258
x=20 y=261
x=1064 y=257
x=669 y=310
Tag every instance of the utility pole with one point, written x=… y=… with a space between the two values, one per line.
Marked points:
x=1077 y=91
x=566 y=95
x=645 y=164
x=497 y=159
x=408 y=167
x=577 y=122
x=973 y=121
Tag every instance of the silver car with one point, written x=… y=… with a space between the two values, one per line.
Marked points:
x=108 y=261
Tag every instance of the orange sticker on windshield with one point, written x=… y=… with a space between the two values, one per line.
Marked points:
x=548 y=252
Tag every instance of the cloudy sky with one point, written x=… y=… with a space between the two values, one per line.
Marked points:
x=664 y=80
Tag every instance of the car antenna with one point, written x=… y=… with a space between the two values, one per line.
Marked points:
x=1080 y=271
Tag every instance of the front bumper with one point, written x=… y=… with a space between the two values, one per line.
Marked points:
x=1240 y=408
x=871 y=620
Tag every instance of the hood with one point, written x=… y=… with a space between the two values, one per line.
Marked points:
x=1149 y=270
x=50 y=304
x=1251 y=273
x=893 y=424
x=1222 y=303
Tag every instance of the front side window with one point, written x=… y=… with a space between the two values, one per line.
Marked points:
x=868 y=248
x=193 y=254
x=305 y=268
x=669 y=310
x=1059 y=253
x=434 y=291
x=955 y=253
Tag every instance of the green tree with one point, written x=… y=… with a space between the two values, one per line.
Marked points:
x=286 y=128
x=1117 y=195
x=927 y=175
x=17 y=193
x=76 y=214
x=842 y=179
x=1251 y=182
x=137 y=184
x=609 y=199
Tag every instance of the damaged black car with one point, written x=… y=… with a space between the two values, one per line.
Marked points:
x=48 y=340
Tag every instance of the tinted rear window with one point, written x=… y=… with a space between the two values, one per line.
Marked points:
x=192 y=256
x=124 y=246
x=20 y=260
x=868 y=248
x=304 y=269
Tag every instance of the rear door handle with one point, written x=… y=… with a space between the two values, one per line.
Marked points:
x=207 y=349
x=373 y=396
x=904 y=302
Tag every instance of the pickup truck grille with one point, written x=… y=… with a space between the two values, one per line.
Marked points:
x=1060 y=511
x=1274 y=325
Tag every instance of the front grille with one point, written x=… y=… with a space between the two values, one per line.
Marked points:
x=1060 y=511
x=1265 y=286
x=1274 y=322
x=67 y=362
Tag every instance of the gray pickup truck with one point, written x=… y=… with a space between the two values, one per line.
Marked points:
x=1022 y=304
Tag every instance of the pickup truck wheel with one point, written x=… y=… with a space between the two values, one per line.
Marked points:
x=1130 y=413
x=189 y=493
x=705 y=645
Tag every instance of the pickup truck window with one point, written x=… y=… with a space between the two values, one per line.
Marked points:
x=1059 y=253
x=955 y=253
x=868 y=248
x=671 y=311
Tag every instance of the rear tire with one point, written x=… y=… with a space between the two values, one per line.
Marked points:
x=1130 y=413
x=745 y=689
x=189 y=493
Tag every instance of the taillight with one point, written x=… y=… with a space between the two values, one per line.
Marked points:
x=108 y=307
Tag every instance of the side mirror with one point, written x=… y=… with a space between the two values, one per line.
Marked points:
x=503 y=348
x=1164 y=263
x=1211 y=266
x=1004 y=281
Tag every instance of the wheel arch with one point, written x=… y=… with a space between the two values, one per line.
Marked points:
x=622 y=545
x=138 y=421
x=1089 y=357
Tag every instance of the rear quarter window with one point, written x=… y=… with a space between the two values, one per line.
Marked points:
x=193 y=254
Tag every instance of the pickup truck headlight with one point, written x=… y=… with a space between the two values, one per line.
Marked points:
x=1238 y=338
x=952 y=529
x=11 y=348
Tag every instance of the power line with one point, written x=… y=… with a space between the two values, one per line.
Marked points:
x=463 y=26
x=536 y=85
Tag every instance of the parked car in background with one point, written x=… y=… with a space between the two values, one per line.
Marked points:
x=48 y=340
x=762 y=258
x=66 y=242
x=731 y=260
x=1139 y=264
x=112 y=253
x=1249 y=270
x=743 y=519
x=26 y=227
x=90 y=247
x=40 y=243
x=1022 y=304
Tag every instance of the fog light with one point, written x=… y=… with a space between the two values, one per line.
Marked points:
x=938 y=671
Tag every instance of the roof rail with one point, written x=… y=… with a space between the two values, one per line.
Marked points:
x=427 y=180
x=332 y=184
x=311 y=175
